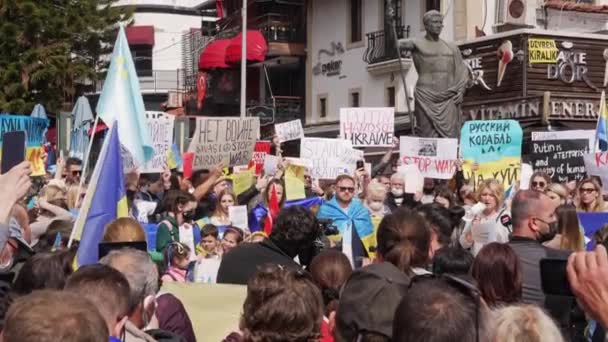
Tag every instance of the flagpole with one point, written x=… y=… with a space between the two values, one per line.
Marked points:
x=244 y=62
x=599 y=116
x=86 y=160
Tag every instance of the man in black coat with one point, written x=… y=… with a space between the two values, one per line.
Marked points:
x=397 y=197
x=293 y=234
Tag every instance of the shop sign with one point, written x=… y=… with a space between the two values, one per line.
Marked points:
x=559 y=109
x=570 y=66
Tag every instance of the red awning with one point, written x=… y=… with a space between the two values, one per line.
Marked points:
x=256 y=48
x=214 y=55
x=100 y=128
x=140 y=35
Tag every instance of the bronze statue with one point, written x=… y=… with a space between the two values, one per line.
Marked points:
x=442 y=80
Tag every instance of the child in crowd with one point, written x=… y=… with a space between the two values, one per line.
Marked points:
x=177 y=257
x=210 y=242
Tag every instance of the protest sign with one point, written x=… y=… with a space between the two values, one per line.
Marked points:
x=260 y=150
x=270 y=164
x=227 y=139
x=291 y=130
x=186 y=236
x=242 y=181
x=434 y=157
x=238 y=216
x=188 y=158
x=591 y=223
x=560 y=154
x=35 y=129
x=596 y=164
x=299 y=162
x=368 y=126
x=496 y=146
x=205 y=271
x=330 y=157
x=526 y=174
x=414 y=181
x=160 y=126
x=294 y=182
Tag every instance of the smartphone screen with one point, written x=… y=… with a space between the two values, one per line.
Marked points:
x=554 y=278
x=13 y=150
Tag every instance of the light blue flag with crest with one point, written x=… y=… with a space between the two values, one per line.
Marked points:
x=121 y=100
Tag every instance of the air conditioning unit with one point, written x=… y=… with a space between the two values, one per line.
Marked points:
x=511 y=14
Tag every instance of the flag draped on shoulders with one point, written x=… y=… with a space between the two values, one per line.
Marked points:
x=601 y=133
x=357 y=215
x=105 y=200
x=121 y=100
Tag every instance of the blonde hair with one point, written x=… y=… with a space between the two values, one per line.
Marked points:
x=599 y=201
x=73 y=194
x=55 y=189
x=124 y=229
x=524 y=323
x=498 y=191
x=558 y=189
x=376 y=189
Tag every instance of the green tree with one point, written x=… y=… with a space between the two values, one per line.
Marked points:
x=52 y=50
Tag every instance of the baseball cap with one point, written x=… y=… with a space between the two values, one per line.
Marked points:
x=369 y=300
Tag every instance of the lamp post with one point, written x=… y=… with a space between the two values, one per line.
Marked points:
x=244 y=62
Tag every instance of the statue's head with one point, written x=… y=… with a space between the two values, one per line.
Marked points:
x=433 y=22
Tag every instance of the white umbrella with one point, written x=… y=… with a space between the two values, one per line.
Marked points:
x=82 y=117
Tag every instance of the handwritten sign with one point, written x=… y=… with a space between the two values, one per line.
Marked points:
x=270 y=164
x=434 y=157
x=260 y=150
x=496 y=146
x=35 y=129
x=226 y=139
x=330 y=157
x=294 y=182
x=160 y=126
x=238 y=216
x=368 y=126
x=596 y=164
x=291 y=130
x=542 y=51
x=561 y=155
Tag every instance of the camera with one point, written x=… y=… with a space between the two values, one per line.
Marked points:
x=327 y=227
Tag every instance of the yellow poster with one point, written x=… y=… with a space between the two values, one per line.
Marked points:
x=242 y=181
x=294 y=182
x=34 y=156
x=542 y=51
x=171 y=162
x=505 y=170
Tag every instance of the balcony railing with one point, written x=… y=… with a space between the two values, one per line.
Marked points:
x=284 y=108
x=159 y=81
x=279 y=28
x=381 y=50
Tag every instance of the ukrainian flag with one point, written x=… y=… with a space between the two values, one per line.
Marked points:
x=105 y=199
x=601 y=132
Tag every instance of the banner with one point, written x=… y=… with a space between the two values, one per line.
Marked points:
x=496 y=146
x=367 y=126
x=35 y=129
x=260 y=150
x=330 y=157
x=160 y=126
x=596 y=164
x=542 y=51
x=291 y=130
x=227 y=139
x=560 y=154
x=435 y=157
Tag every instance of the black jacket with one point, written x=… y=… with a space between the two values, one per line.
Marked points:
x=408 y=201
x=242 y=262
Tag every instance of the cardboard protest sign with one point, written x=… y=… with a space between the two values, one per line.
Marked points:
x=291 y=130
x=160 y=126
x=260 y=150
x=294 y=182
x=434 y=157
x=227 y=139
x=414 y=181
x=330 y=157
x=368 y=126
x=526 y=174
x=596 y=164
x=496 y=146
x=35 y=129
x=560 y=154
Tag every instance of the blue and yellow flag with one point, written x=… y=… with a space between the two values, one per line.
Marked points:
x=601 y=132
x=105 y=199
x=121 y=100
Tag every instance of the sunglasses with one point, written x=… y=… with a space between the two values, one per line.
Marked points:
x=464 y=287
x=587 y=190
x=540 y=184
x=76 y=173
x=346 y=189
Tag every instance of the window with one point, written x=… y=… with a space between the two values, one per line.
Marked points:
x=356 y=21
x=433 y=5
x=323 y=107
x=354 y=99
x=390 y=97
x=142 y=58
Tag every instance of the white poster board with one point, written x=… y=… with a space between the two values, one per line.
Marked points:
x=270 y=164
x=367 y=126
x=238 y=216
x=596 y=164
x=434 y=157
x=227 y=139
x=330 y=157
x=160 y=126
x=291 y=130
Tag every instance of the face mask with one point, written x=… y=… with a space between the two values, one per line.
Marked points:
x=397 y=192
x=376 y=206
x=548 y=236
x=188 y=215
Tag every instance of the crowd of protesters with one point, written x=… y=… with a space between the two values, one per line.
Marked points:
x=362 y=260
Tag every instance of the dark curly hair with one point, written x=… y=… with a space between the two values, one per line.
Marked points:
x=282 y=305
x=295 y=227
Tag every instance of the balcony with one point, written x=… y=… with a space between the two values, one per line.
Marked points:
x=277 y=110
x=381 y=55
x=157 y=81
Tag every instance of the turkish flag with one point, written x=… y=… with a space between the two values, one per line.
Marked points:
x=201 y=87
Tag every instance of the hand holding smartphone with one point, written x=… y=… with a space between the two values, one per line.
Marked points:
x=13 y=150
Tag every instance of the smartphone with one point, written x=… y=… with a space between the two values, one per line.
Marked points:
x=13 y=150
x=360 y=164
x=554 y=277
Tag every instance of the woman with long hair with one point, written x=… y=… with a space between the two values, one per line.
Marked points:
x=220 y=217
x=257 y=216
x=498 y=274
x=569 y=236
x=590 y=197
x=557 y=193
x=179 y=207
